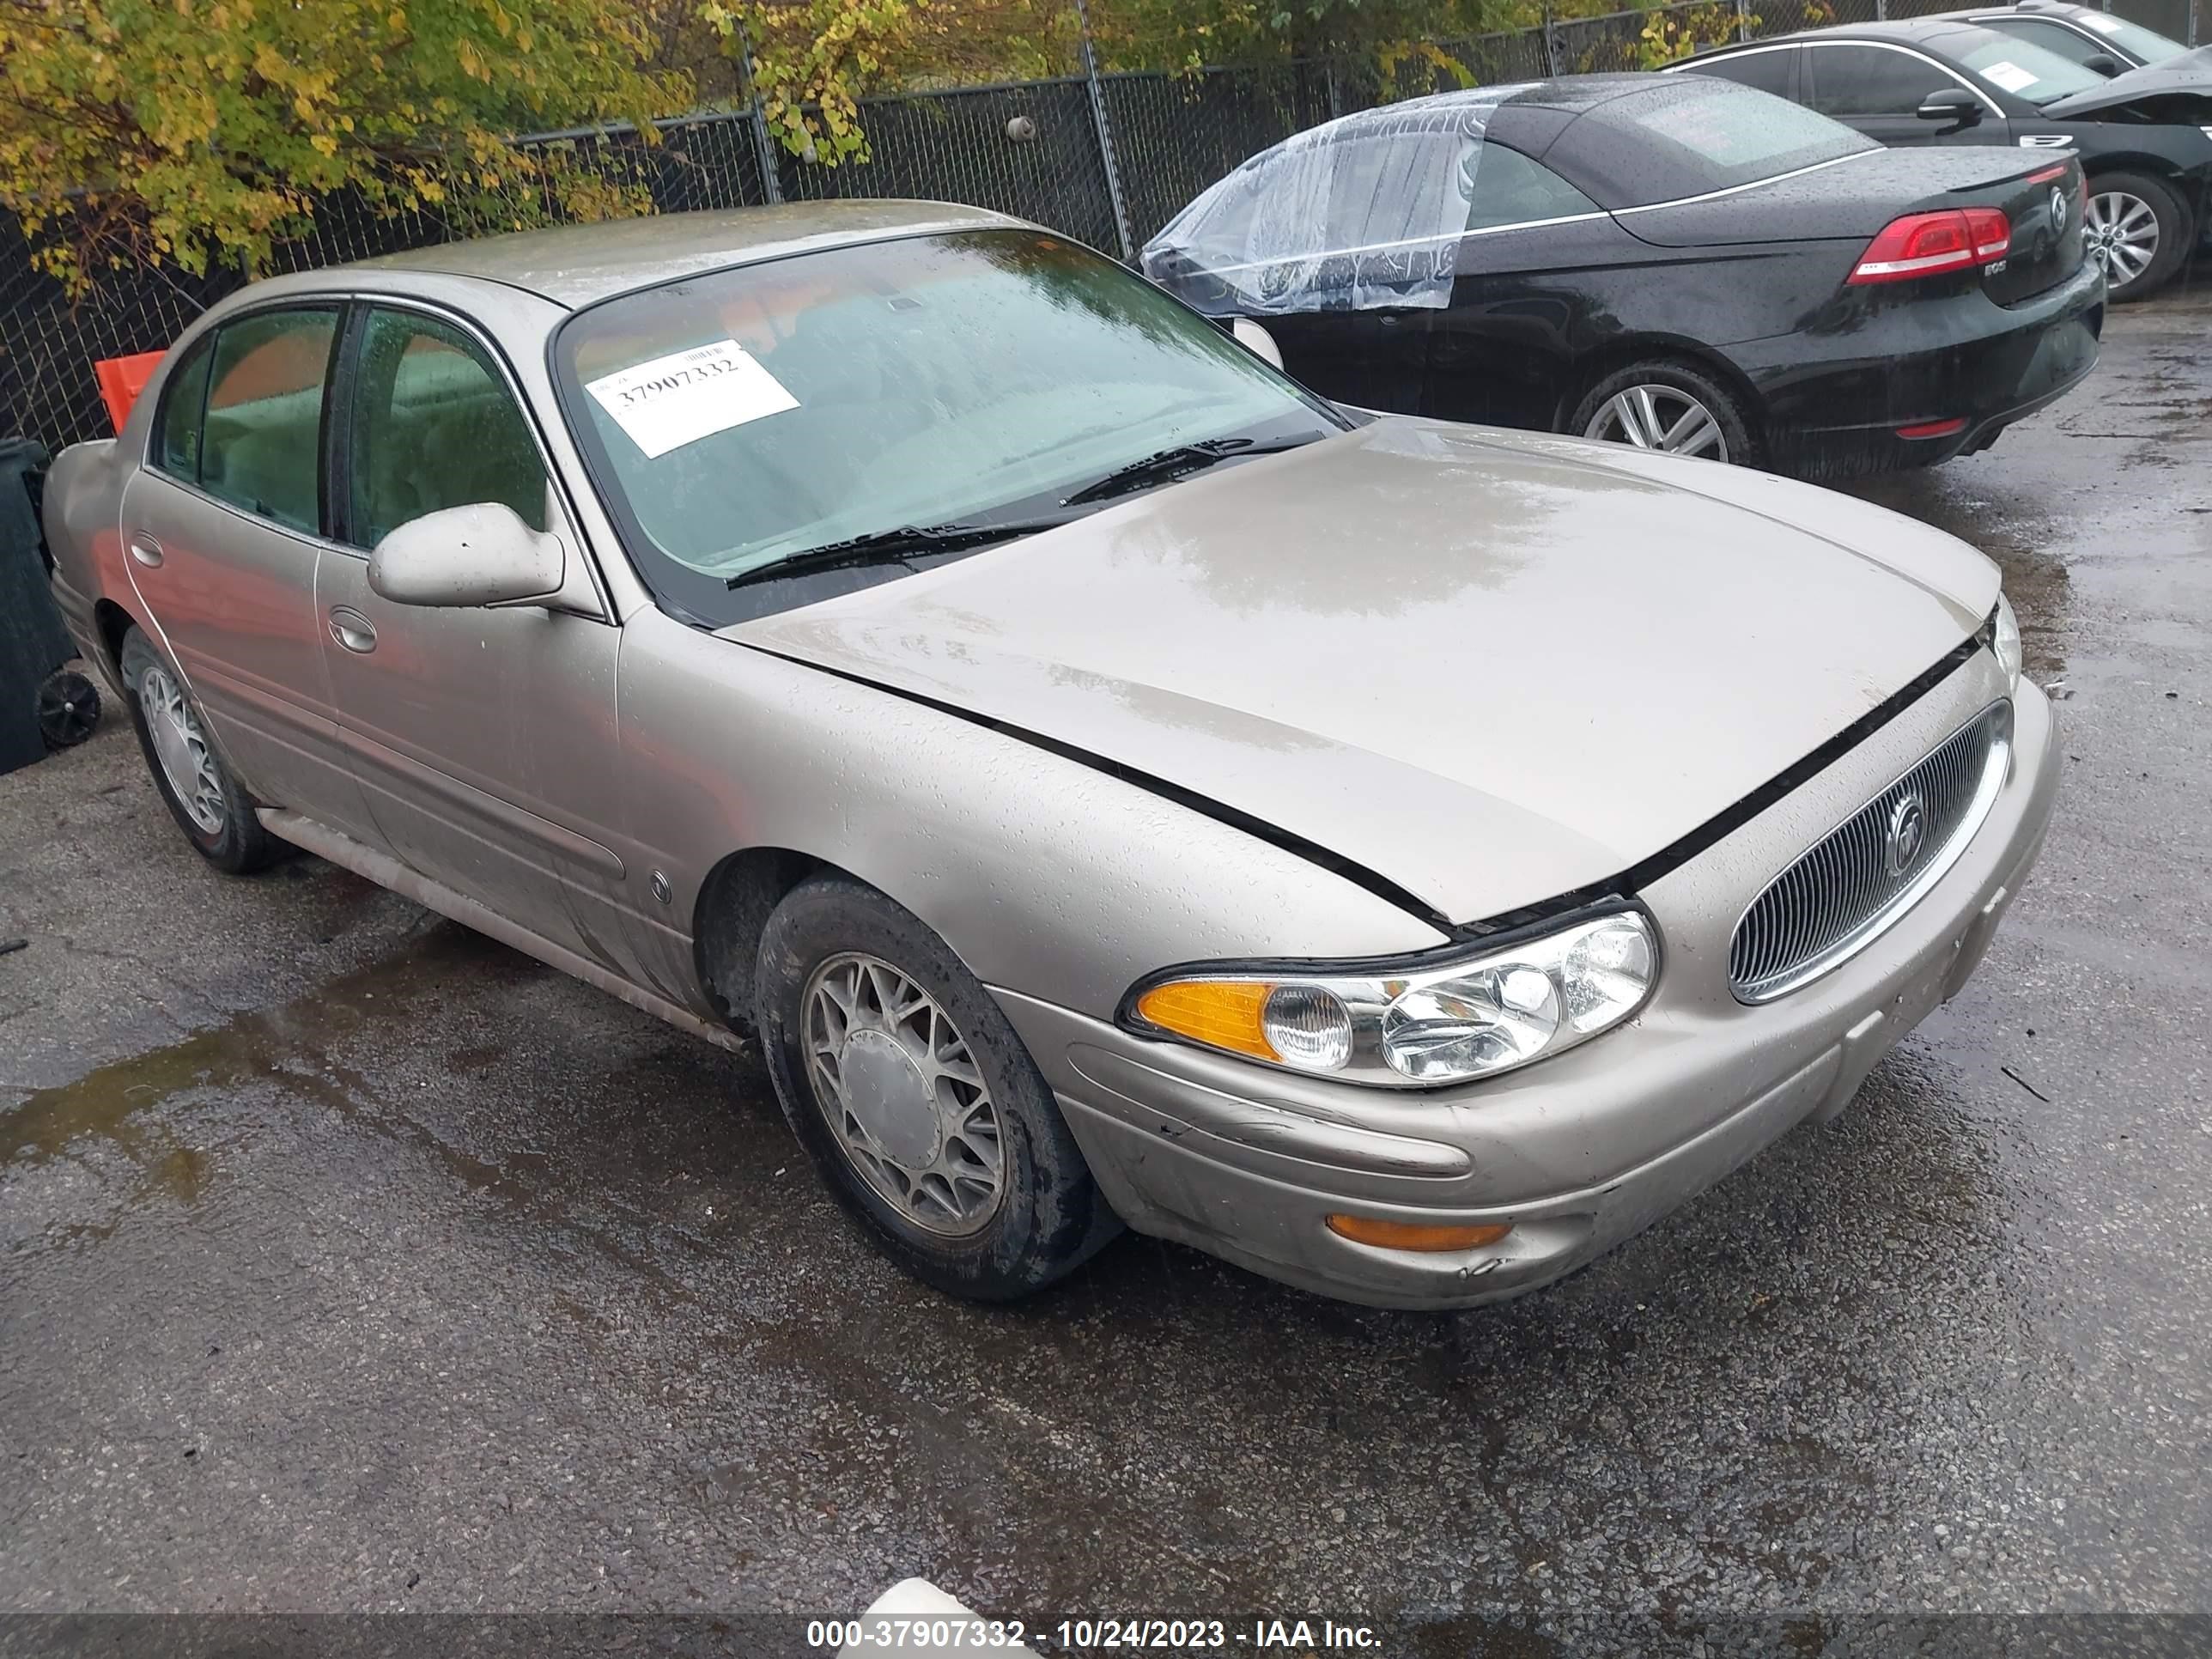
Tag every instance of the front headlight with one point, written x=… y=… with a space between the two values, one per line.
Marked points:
x=2004 y=640
x=1487 y=1008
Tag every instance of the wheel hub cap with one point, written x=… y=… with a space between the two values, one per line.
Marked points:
x=1659 y=416
x=886 y=1092
x=905 y=1102
x=182 y=748
x=2122 y=233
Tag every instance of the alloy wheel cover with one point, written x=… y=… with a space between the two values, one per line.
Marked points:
x=905 y=1103
x=1655 y=416
x=2123 y=234
x=179 y=744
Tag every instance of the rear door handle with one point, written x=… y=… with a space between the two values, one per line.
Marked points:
x=146 y=550
x=352 y=630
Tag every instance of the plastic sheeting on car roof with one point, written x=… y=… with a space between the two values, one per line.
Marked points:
x=1359 y=214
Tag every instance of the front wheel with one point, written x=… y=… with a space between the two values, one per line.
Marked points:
x=912 y=1093
x=2139 y=230
x=1667 y=406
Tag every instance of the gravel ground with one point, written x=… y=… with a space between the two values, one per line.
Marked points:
x=350 y=1262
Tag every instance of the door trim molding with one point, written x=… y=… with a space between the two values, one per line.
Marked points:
x=495 y=809
x=370 y=865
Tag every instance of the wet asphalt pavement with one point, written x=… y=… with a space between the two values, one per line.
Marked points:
x=350 y=1262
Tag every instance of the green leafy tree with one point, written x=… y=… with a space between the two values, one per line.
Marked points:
x=1389 y=36
x=1669 y=35
x=202 y=131
x=811 y=62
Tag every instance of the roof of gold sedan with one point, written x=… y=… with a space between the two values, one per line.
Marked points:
x=575 y=264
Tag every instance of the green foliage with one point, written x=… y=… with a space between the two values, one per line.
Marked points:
x=812 y=61
x=809 y=61
x=1669 y=35
x=1389 y=34
x=204 y=130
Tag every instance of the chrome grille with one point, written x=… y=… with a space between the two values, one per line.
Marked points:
x=1872 y=868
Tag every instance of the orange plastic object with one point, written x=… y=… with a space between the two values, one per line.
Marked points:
x=122 y=379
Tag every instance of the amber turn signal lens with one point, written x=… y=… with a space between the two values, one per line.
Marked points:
x=1225 y=1014
x=1416 y=1236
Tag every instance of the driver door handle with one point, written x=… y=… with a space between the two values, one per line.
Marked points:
x=352 y=630
x=146 y=550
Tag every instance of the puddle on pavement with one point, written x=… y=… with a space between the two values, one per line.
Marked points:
x=107 y=1104
x=119 y=1105
x=622 y=1194
x=2020 y=503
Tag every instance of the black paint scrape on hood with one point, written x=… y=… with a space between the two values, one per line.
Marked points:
x=2190 y=72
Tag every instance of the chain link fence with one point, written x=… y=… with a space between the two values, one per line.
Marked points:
x=1108 y=160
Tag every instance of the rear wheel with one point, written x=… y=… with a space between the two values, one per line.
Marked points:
x=2139 y=230
x=921 y=1109
x=214 y=813
x=1668 y=406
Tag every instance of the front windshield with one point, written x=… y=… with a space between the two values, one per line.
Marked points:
x=2148 y=46
x=2024 y=68
x=767 y=410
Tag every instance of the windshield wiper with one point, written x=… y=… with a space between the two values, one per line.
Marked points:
x=1170 y=464
x=907 y=542
x=893 y=547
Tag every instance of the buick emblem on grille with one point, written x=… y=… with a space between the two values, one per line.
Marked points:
x=1908 y=828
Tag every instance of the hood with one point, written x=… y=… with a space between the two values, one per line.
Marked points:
x=2190 y=72
x=1490 y=667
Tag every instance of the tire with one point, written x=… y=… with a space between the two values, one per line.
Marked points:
x=833 y=957
x=2119 y=201
x=218 y=819
x=1671 y=387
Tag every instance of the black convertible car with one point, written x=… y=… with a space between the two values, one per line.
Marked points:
x=1679 y=264
x=2144 y=135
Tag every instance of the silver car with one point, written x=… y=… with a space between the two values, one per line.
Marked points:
x=1110 y=784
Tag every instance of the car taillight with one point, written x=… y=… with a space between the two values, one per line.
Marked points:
x=1992 y=234
x=1928 y=244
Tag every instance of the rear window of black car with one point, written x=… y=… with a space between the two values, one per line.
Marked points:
x=1690 y=135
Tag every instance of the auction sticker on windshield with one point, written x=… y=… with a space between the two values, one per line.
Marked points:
x=2011 y=76
x=689 y=395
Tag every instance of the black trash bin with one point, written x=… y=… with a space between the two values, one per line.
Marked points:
x=41 y=705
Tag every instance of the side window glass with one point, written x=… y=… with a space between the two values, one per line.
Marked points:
x=1510 y=189
x=261 y=447
x=2052 y=37
x=1767 y=71
x=183 y=408
x=1869 y=80
x=434 y=427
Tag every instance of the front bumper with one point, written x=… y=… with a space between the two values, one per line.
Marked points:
x=1921 y=364
x=1581 y=1151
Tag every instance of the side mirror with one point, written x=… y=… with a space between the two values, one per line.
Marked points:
x=2104 y=64
x=482 y=554
x=1953 y=104
x=1257 y=340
